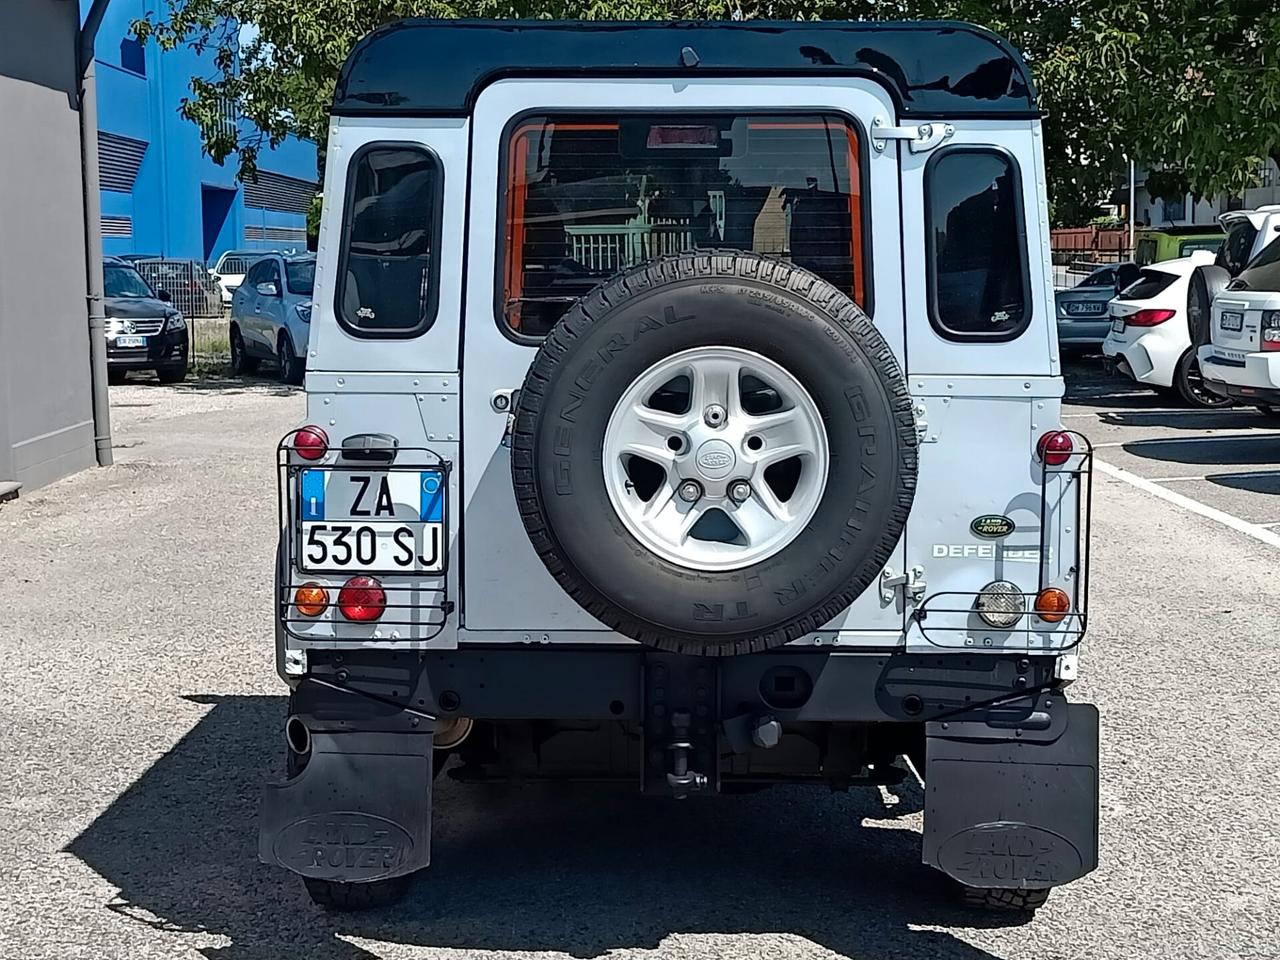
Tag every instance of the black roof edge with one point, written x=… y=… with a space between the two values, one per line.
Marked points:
x=931 y=69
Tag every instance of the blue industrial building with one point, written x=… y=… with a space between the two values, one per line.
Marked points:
x=161 y=194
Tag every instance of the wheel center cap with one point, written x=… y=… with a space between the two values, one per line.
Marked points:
x=715 y=459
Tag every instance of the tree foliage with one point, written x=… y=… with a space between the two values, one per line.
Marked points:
x=1188 y=86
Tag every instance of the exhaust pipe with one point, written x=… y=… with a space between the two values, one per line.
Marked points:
x=451 y=732
x=297 y=736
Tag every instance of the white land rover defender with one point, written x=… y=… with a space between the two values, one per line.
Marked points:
x=683 y=409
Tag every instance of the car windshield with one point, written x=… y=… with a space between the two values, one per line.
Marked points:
x=300 y=275
x=1188 y=247
x=121 y=281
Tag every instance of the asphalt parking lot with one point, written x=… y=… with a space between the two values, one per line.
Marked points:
x=141 y=713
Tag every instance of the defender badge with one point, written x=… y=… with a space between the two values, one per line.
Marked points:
x=991 y=526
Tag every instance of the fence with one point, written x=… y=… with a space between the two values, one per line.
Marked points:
x=1078 y=251
x=197 y=295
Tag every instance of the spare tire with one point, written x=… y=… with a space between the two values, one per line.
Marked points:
x=714 y=453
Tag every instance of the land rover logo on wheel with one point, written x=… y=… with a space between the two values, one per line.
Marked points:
x=716 y=459
x=991 y=526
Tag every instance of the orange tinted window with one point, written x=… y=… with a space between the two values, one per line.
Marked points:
x=587 y=197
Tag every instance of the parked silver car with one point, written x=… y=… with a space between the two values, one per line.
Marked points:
x=271 y=315
x=1082 y=309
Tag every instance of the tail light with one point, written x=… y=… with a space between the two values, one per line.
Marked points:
x=310 y=443
x=1270 y=330
x=1052 y=604
x=1055 y=447
x=362 y=599
x=311 y=599
x=1149 y=318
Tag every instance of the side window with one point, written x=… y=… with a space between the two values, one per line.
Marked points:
x=255 y=274
x=391 y=231
x=270 y=273
x=976 y=245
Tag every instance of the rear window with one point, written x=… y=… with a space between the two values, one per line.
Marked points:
x=1234 y=252
x=386 y=271
x=1149 y=283
x=1263 y=272
x=1188 y=247
x=234 y=266
x=977 y=250
x=589 y=195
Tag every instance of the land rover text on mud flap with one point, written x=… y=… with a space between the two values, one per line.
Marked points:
x=683 y=409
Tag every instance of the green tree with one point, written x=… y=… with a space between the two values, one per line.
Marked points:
x=1188 y=85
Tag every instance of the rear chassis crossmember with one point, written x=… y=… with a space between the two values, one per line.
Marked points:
x=1010 y=767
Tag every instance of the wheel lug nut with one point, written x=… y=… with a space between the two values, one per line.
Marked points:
x=689 y=491
x=714 y=415
x=739 y=491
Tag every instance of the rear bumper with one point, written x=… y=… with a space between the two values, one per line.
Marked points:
x=1011 y=767
x=1255 y=378
x=1079 y=332
x=1148 y=359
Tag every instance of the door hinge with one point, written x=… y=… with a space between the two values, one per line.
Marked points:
x=922 y=424
x=919 y=137
x=911 y=583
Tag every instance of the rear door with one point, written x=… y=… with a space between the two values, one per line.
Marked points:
x=564 y=196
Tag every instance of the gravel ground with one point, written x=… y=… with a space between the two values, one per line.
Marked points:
x=142 y=714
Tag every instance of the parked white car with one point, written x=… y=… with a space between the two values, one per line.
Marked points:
x=230 y=269
x=1151 y=323
x=1242 y=360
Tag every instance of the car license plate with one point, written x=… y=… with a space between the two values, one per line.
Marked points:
x=1232 y=321
x=131 y=341
x=1086 y=308
x=369 y=521
x=1117 y=326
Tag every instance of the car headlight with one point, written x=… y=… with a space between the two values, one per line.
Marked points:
x=175 y=322
x=304 y=312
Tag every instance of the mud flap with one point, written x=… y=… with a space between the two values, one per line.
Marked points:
x=1012 y=794
x=360 y=810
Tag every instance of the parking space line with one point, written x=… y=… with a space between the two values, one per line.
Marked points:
x=1230 y=411
x=1259 y=435
x=1254 y=530
x=1234 y=475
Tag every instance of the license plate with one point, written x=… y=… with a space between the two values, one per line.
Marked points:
x=1085 y=308
x=131 y=341
x=1117 y=326
x=1232 y=321
x=371 y=522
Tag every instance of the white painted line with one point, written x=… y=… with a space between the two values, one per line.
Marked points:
x=1235 y=475
x=1274 y=523
x=1254 y=530
x=1158 y=411
x=1260 y=435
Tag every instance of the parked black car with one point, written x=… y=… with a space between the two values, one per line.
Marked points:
x=144 y=331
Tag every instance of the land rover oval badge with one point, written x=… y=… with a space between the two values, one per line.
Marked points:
x=991 y=527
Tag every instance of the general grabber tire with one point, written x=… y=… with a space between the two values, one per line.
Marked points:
x=797 y=350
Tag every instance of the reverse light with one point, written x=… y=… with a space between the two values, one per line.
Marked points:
x=1270 y=331
x=1055 y=447
x=310 y=443
x=1149 y=318
x=362 y=599
x=1052 y=604
x=1001 y=604
x=311 y=599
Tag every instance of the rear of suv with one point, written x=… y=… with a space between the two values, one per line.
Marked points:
x=683 y=409
x=1242 y=360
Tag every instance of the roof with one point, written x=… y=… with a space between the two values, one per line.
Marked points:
x=438 y=67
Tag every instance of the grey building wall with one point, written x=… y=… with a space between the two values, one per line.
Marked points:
x=46 y=417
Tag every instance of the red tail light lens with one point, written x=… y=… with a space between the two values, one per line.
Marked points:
x=1149 y=318
x=1055 y=447
x=362 y=599
x=311 y=443
x=1270 y=330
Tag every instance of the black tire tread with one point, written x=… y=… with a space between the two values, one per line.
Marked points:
x=998 y=900
x=343 y=897
x=705 y=265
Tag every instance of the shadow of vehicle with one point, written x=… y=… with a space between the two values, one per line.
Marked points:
x=1262 y=481
x=1090 y=382
x=580 y=870
x=1232 y=418
x=1236 y=448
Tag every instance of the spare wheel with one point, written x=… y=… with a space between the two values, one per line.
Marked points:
x=714 y=453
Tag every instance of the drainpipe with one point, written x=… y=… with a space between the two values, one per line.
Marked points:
x=93 y=232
